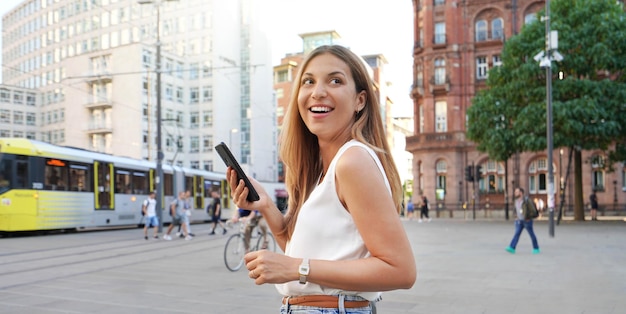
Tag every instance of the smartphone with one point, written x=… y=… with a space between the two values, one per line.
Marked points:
x=230 y=160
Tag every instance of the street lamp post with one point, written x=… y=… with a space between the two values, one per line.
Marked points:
x=545 y=59
x=160 y=198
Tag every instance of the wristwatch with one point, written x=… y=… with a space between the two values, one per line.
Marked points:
x=303 y=270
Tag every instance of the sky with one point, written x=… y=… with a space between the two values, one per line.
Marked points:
x=366 y=26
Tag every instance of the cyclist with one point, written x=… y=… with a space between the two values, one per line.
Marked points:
x=252 y=219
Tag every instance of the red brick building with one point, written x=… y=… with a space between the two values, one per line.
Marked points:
x=456 y=43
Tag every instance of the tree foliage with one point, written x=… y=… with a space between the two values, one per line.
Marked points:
x=589 y=101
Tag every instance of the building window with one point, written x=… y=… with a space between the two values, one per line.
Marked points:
x=194 y=95
x=440 y=71
x=207 y=118
x=194 y=144
x=194 y=164
x=207 y=70
x=439 y=2
x=207 y=143
x=496 y=29
x=481 y=30
x=31 y=118
x=194 y=120
x=441 y=114
x=5 y=95
x=180 y=68
x=497 y=61
x=530 y=17
x=169 y=92
x=441 y=170
x=179 y=94
x=440 y=33
x=18 y=117
x=147 y=59
x=481 y=68
x=207 y=93
x=538 y=173
x=194 y=71
x=282 y=76
x=597 y=176
x=5 y=116
x=208 y=165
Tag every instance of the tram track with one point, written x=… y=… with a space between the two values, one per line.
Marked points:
x=40 y=265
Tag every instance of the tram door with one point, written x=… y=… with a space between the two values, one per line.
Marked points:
x=103 y=193
x=198 y=192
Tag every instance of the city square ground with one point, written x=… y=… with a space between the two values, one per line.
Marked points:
x=462 y=268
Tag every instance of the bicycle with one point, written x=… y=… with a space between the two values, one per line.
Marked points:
x=235 y=249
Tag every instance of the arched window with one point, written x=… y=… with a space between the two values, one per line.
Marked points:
x=441 y=169
x=538 y=176
x=491 y=177
x=597 y=176
x=440 y=71
x=529 y=18
x=481 y=30
x=496 y=29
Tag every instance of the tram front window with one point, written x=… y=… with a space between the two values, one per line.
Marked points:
x=5 y=175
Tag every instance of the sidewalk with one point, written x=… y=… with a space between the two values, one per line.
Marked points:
x=462 y=268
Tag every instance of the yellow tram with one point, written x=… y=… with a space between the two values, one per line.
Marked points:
x=49 y=187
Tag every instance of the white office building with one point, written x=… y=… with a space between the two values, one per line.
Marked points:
x=92 y=66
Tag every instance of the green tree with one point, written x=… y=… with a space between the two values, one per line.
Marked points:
x=589 y=89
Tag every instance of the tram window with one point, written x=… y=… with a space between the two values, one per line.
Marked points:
x=210 y=186
x=55 y=175
x=5 y=174
x=140 y=183
x=189 y=184
x=123 y=183
x=79 y=178
x=168 y=185
x=21 y=173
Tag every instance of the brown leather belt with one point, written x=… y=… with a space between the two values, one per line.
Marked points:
x=325 y=301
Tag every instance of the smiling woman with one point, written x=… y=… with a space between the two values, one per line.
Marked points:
x=336 y=239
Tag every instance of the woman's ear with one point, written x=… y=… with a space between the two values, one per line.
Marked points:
x=361 y=99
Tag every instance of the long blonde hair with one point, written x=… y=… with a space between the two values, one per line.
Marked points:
x=299 y=148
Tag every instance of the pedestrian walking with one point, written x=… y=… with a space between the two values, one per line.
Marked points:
x=342 y=229
x=410 y=209
x=216 y=216
x=177 y=210
x=593 y=202
x=424 y=209
x=187 y=207
x=148 y=208
x=524 y=208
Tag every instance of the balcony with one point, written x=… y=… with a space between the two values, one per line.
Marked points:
x=99 y=77
x=99 y=127
x=99 y=103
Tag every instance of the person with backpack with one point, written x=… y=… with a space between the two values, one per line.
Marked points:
x=148 y=210
x=177 y=211
x=526 y=212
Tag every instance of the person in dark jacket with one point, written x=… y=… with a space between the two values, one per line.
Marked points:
x=593 y=202
x=524 y=208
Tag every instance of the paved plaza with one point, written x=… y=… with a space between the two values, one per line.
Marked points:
x=462 y=268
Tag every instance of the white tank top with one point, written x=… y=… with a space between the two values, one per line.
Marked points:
x=325 y=230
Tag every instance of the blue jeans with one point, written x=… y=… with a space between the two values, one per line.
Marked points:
x=519 y=227
x=300 y=309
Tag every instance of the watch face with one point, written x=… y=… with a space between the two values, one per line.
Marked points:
x=304 y=269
